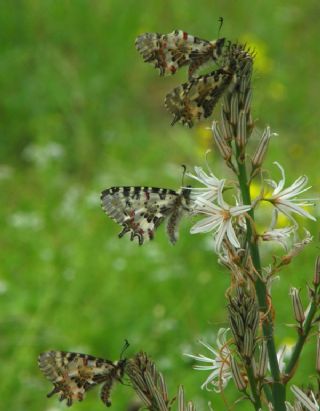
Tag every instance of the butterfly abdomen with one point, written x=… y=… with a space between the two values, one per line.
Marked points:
x=180 y=207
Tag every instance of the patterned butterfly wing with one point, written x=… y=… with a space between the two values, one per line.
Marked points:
x=169 y=52
x=73 y=374
x=140 y=210
x=196 y=99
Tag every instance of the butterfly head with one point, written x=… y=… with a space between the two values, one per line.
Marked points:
x=217 y=47
x=121 y=364
x=120 y=369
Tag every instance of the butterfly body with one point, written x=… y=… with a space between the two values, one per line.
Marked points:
x=140 y=210
x=73 y=374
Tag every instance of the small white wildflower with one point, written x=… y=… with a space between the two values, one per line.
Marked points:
x=299 y=245
x=41 y=155
x=219 y=365
x=219 y=220
x=3 y=287
x=279 y=235
x=212 y=183
x=285 y=200
x=26 y=220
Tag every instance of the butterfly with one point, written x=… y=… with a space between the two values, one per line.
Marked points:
x=197 y=98
x=73 y=374
x=169 y=52
x=140 y=210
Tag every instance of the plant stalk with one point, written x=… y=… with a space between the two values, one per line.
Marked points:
x=278 y=388
x=253 y=386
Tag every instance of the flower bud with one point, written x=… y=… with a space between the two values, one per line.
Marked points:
x=263 y=360
x=226 y=103
x=244 y=321
x=148 y=383
x=297 y=305
x=242 y=129
x=181 y=402
x=238 y=378
x=316 y=277
x=226 y=128
x=261 y=150
x=247 y=101
x=223 y=147
x=234 y=108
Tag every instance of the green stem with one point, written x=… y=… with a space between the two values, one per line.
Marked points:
x=278 y=388
x=253 y=386
x=302 y=338
x=267 y=392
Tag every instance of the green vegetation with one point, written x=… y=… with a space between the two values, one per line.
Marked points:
x=80 y=112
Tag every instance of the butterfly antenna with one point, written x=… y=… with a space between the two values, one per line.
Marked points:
x=124 y=348
x=220 y=20
x=183 y=174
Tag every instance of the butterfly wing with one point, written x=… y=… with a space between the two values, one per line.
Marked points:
x=140 y=210
x=169 y=52
x=73 y=374
x=194 y=100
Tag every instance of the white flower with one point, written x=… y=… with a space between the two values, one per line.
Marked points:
x=279 y=235
x=308 y=403
x=41 y=155
x=219 y=365
x=219 y=220
x=300 y=245
x=211 y=182
x=285 y=199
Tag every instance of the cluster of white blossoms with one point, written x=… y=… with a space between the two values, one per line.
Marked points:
x=221 y=372
x=220 y=216
x=225 y=220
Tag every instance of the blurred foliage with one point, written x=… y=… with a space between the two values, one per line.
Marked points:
x=79 y=112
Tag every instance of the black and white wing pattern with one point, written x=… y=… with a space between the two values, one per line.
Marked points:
x=196 y=99
x=73 y=374
x=140 y=210
x=169 y=52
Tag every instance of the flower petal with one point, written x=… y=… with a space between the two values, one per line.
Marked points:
x=206 y=224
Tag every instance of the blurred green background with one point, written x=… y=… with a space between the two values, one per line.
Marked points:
x=79 y=112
